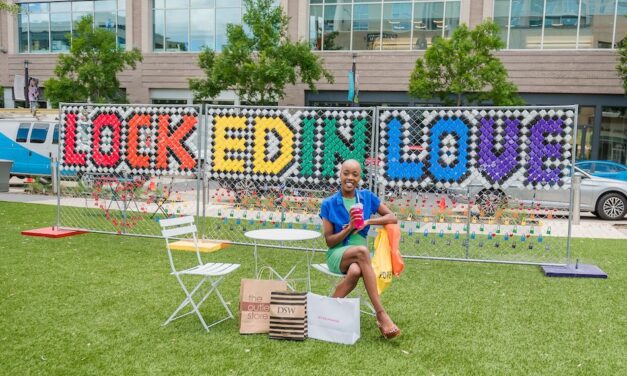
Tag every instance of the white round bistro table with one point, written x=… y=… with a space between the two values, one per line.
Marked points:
x=281 y=235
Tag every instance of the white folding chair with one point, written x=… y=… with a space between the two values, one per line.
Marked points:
x=334 y=278
x=212 y=273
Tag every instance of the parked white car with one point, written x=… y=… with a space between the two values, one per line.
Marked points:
x=605 y=198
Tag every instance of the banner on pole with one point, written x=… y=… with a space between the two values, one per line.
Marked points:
x=351 y=86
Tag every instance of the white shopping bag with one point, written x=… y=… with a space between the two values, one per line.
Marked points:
x=333 y=319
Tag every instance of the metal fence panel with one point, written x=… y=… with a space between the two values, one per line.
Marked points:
x=479 y=183
x=271 y=167
x=488 y=184
x=123 y=167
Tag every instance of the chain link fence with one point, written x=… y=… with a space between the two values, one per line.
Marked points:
x=272 y=167
x=123 y=167
x=489 y=184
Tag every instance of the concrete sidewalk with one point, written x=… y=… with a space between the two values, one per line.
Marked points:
x=590 y=226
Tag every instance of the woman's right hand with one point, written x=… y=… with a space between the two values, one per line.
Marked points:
x=351 y=222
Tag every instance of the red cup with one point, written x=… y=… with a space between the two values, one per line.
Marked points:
x=357 y=212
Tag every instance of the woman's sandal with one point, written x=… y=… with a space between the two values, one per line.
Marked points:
x=392 y=333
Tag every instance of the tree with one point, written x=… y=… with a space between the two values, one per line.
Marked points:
x=258 y=61
x=89 y=71
x=463 y=66
x=622 y=62
x=13 y=8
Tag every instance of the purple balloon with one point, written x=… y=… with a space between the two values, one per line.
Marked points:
x=495 y=167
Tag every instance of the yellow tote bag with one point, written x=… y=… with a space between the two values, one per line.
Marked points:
x=382 y=260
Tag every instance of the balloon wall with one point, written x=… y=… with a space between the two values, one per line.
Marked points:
x=468 y=183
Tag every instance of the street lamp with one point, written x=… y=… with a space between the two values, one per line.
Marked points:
x=26 y=83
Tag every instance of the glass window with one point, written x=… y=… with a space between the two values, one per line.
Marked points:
x=337 y=26
x=104 y=16
x=621 y=22
x=381 y=25
x=158 y=30
x=586 y=166
x=201 y=25
x=176 y=4
x=315 y=28
x=428 y=24
x=451 y=19
x=82 y=6
x=22 y=132
x=60 y=28
x=55 y=134
x=224 y=17
x=613 y=137
x=44 y=27
x=22 y=30
x=501 y=17
x=169 y=101
x=105 y=13
x=65 y=6
x=105 y=5
x=602 y=167
x=39 y=25
x=596 y=24
x=561 y=24
x=526 y=24
x=191 y=25
x=367 y=27
x=202 y=4
x=39 y=133
x=585 y=129
x=228 y=3
x=38 y=8
x=397 y=25
x=77 y=16
x=121 y=29
x=177 y=30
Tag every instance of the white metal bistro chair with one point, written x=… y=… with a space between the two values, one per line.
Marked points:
x=334 y=278
x=211 y=273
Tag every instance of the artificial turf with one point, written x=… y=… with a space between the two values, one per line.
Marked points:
x=94 y=304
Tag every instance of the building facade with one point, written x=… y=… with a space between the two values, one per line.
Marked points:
x=557 y=51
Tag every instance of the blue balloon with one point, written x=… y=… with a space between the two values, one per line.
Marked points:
x=396 y=168
x=457 y=172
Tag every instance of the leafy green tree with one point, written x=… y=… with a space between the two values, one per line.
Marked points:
x=13 y=8
x=622 y=62
x=258 y=60
x=464 y=66
x=89 y=71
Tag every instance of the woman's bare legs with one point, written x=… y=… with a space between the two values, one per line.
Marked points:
x=349 y=282
x=361 y=256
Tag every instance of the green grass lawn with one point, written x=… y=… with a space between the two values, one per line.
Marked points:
x=94 y=304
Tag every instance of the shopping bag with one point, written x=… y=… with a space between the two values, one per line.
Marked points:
x=254 y=304
x=288 y=315
x=382 y=260
x=333 y=319
x=394 y=237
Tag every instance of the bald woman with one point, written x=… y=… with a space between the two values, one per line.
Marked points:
x=348 y=252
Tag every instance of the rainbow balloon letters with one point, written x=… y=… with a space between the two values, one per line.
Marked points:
x=444 y=147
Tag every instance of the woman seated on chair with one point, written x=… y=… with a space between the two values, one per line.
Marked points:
x=348 y=252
